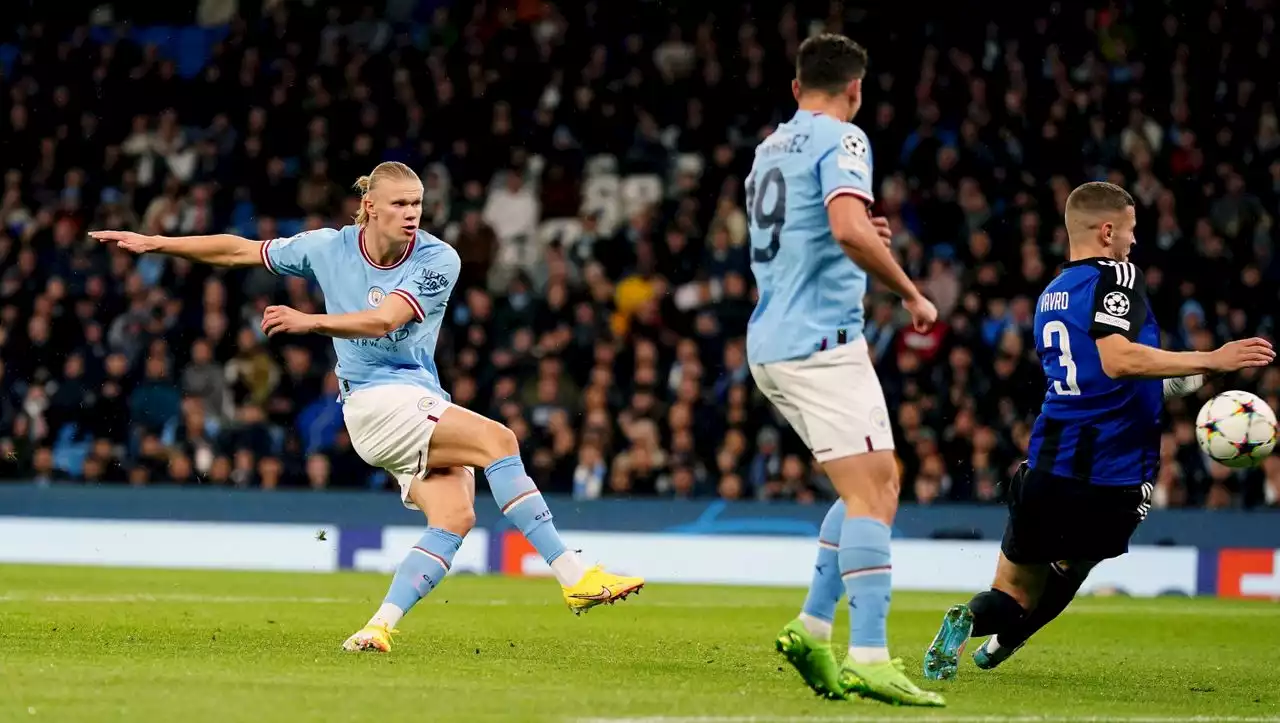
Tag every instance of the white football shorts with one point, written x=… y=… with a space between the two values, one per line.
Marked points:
x=391 y=427
x=832 y=399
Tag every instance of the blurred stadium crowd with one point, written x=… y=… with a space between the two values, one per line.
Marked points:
x=587 y=161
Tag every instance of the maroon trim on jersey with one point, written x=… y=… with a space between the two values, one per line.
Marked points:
x=266 y=258
x=408 y=251
x=848 y=191
x=412 y=302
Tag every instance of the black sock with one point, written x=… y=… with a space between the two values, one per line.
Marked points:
x=994 y=611
x=1060 y=589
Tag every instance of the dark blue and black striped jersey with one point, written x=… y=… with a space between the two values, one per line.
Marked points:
x=1092 y=427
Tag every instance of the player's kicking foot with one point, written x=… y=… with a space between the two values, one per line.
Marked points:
x=375 y=638
x=598 y=587
x=811 y=658
x=942 y=659
x=886 y=683
x=991 y=653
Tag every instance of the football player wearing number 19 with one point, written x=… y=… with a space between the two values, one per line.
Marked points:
x=1095 y=447
x=813 y=244
x=386 y=285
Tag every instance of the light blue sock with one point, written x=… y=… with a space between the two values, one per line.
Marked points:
x=827 y=587
x=422 y=569
x=864 y=566
x=522 y=504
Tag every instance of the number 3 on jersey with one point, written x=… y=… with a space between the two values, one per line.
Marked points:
x=771 y=220
x=1063 y=344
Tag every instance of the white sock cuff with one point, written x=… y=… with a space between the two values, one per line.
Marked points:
x=817 y=627
x=568 y=568
x=387 y=615
x=868 y=655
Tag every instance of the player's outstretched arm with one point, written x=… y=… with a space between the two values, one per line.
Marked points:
x=1118 y=314
x=862 y=241
x=1124 y=359
x=218 y=250
x=393 y=313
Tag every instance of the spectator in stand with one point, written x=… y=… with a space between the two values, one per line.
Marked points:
x=588 y=166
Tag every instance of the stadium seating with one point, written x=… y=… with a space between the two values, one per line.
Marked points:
x=638 y=251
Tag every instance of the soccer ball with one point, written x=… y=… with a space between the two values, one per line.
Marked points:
x=1236 y=429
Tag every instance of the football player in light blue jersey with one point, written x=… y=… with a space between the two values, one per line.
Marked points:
x=386 y=285
x=813 y=242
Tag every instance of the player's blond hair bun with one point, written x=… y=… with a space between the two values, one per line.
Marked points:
x=385 y=171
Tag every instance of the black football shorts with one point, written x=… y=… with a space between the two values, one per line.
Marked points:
x=1054 y=518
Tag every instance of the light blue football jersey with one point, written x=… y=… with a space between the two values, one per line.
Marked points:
x=424 y=277
x=810 y=291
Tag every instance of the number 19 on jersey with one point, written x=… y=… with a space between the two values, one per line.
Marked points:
x=775 y=185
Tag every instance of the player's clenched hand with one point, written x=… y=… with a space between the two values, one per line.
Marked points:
x=1242 y=354
x=883 y=230
x=127 y=240
x=923 y=313
x=284 y=320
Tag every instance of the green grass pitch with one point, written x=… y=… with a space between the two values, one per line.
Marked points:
x=104 y=645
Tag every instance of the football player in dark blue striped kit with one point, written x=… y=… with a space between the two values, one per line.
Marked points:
x=1094 y=450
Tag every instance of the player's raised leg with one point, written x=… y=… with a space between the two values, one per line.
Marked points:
x=806 y=640
x=1015 y=590
x=1045 y=556
x=464 y=438
x=1062 y=581
x=447 y=498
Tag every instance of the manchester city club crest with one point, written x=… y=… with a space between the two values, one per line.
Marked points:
x=376 y=295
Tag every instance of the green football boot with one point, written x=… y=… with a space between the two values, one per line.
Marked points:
x=886 y=683
x=812 y=658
